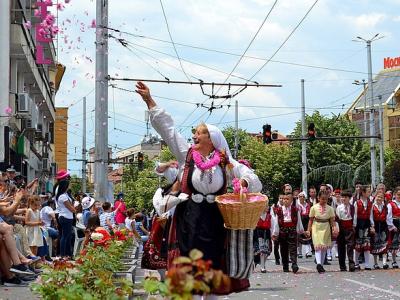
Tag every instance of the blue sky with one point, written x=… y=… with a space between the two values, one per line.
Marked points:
x=323 y=39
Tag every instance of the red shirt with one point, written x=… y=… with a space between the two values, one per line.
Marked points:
x=120 y=212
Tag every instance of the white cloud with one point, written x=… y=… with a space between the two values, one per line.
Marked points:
x=365 y=21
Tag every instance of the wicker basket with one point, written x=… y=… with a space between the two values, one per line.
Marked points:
x=241 y=214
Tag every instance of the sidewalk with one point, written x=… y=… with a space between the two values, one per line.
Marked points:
x=17 y=293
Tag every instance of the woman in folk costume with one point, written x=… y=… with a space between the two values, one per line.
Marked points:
x=304 y=242
x=203 y=175
x=379 y=239
x=393 y=222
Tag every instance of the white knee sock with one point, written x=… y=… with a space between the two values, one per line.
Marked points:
x=262 y=261
x=211 y=297
x=318 y=256
x=366 y=256
x=323 y=255
x=384 y=259
x=356 y=256
x=197 y=297
x=329 y=252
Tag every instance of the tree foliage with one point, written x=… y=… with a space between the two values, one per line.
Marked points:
x=392 y=170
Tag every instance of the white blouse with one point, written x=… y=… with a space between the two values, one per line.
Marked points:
x=165 y=127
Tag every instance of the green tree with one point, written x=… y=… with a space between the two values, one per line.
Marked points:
x=336 y=160
x=75 y=184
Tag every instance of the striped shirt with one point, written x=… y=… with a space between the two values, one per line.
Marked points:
x=103 y=219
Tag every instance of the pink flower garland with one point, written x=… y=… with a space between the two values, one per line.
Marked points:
x=206 y=165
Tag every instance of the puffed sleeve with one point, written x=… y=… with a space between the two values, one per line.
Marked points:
x=275 y=225
x=163 y=123
x=243 y=172
x=312 y=212
x=299 y=225
x=389 y=217
x=169 y=173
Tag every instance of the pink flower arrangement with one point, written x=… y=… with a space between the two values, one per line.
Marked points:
x=206 y=165
x=237 y=186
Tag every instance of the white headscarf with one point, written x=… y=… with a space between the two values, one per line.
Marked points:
x=218 y=140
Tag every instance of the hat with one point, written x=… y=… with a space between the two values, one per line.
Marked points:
x=302 y=194
x=330 y=187
x=11 y=169
x=62 y=174
x=87 y=202
x=337 y=191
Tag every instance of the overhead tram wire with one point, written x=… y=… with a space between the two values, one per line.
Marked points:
x=249 y=45
x=282 y=44
x=172 y=41
x=287 y=38
x=246 y=56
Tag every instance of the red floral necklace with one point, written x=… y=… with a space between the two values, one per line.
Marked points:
x=206 y=165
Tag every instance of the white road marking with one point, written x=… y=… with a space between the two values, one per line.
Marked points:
x=373 y=287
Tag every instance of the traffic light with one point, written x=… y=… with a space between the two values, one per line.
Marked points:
x=311 y=132
x=140 y=161
x=267 y=138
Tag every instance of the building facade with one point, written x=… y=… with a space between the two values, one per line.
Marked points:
x=386 y=99
x=27 y=91
x=61 y=138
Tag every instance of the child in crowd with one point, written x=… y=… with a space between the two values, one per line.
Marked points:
x=274 y=209
x=322 y=221
x=287 y=225
x=364 y=226
x=379 y=239
x=262 y=239
x=33 y=223
x=304 y=242
x=130 y=219
x=345 y=240
x=107 y=218
x=144 y=234
x=393 y=222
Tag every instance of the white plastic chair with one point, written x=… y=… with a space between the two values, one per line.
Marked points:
x=78 y=242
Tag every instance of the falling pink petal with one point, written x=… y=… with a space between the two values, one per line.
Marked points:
x=60 y=6
x=8 y=111
x=73 y=83
x=67 y=1
x=36 y=12
x=93 y=24
x=28 y=25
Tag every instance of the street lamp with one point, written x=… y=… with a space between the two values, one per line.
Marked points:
x=371 y=102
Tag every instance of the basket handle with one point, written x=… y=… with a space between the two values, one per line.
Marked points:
x=242 y=196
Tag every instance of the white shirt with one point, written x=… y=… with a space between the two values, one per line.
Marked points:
x=63 y=211
x=344 y=212
x=165 y=127
x=128 y=223
x=46 y=215
x=389 y=216
x=287 y=217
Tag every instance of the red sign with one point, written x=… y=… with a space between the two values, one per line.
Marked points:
x=389 y=62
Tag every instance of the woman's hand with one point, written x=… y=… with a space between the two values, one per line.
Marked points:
x=307 y=233
x=144 y=91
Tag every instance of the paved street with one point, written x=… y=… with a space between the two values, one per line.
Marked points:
x=308 y=284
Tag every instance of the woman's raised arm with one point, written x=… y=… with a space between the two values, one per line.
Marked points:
x=163 y=123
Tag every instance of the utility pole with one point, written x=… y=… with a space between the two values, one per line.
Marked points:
x=303 y=142
x=84 y=148
x=364 y=84
x=236 y=129
x=101 y=108
x=370 y=91
x=382 y=141
x=5 y=23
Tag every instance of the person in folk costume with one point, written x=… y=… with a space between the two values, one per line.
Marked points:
x=393 y=222
x=287 y=225
x=205 y=170
x=322 y=220
x=262 y=238
x=274 y=209
x=364 y=226
x=357 y=193
x=379 y=239
x=304 y=242
x=345 y=240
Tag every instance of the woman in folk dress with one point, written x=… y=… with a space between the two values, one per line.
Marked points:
x=203 y=175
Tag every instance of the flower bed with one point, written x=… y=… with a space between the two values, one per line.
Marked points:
x=91 y=276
